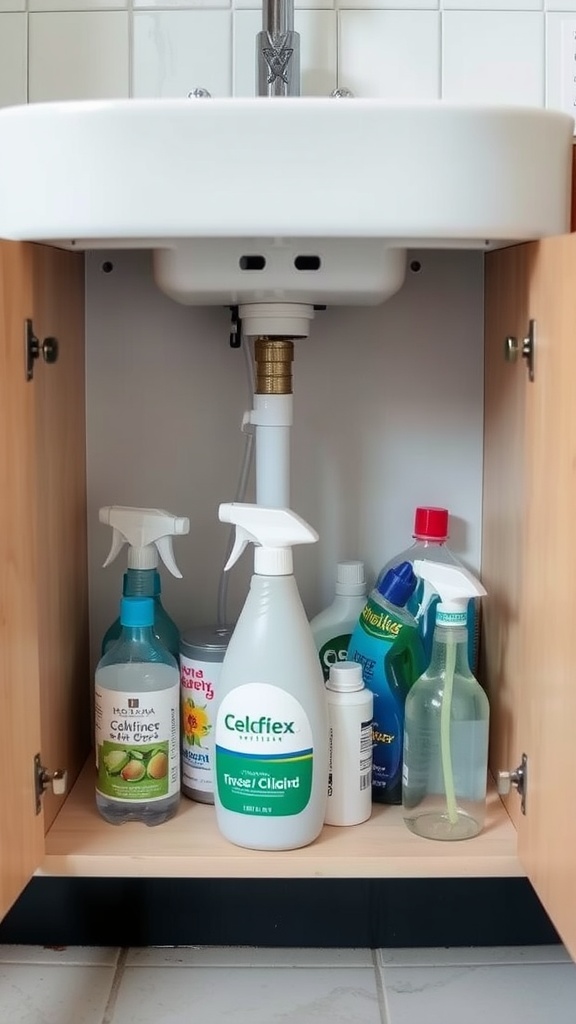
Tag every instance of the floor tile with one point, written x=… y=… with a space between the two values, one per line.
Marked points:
x=44 y=994
x=478 y=956
x=527 y=994
x=94 y=956
x=246 y=956
x=255 y=996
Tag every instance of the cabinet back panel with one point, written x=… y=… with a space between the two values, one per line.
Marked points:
x=388 y=412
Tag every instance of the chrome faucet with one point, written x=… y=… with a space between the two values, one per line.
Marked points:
x=278 y=51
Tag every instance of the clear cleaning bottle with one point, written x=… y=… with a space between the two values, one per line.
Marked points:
x=387 y=645
x=446 y=721
x=137 y=716
x=332 y=627
x=431 y=544
x=148 y=533
x=350 y=712
x=271 y=744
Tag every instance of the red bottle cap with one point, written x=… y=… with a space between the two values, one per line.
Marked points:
x=431 y=523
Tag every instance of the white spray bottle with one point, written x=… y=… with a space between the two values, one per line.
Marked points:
x=148 y=533
x=271 y=744
x=446 y=721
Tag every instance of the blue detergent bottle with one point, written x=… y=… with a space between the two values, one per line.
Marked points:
x=388 y=646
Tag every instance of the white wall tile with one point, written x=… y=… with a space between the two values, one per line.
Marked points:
x=318 y=51
x=75 y=5
x=557 y=66
x=12 y=5
x=396 y=5
x=188 y=4
x=560 y=5
x=494 y=5
x=395 y=54
x=178 y=51
x=81 y=55
x=13 y=59
x=493 y=57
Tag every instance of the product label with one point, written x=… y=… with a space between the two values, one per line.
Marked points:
x=392 y=658
x=333 y=651
x=264 y=752
x=198 y=683
x=137 y=748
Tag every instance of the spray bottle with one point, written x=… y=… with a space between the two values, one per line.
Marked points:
x=271 y=743
x=446 y=721
x=148 y=532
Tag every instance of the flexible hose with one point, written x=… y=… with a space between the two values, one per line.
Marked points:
x=445 y=750
x=240 y=490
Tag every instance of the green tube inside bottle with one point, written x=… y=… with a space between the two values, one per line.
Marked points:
x=445 y=749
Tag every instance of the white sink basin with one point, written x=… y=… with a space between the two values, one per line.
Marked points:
x=216 y=186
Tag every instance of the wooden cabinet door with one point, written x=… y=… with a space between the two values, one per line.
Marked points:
x=21 y=829
x=504 y=501
x=44 y=692
x=547 y=833
x=538 y=601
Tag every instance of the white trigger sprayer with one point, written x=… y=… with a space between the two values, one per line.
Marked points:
x=147 y=531
x=455 y=586
x=273 y=531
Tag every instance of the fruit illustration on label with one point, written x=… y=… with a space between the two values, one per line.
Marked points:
x=115 y=761
x=134 y=771
x=158 y=765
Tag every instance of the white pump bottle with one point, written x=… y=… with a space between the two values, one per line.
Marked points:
x=271 y=743
x=446 y=721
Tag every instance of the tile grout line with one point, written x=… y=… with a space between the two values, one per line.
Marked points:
x=380 y=989
x=116 y=982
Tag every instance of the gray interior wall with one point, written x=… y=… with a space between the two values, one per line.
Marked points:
x=388 y=410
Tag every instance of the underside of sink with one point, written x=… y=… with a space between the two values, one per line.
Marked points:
x=304 y=200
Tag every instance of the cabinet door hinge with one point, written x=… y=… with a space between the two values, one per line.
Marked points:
x=57 y=779
x=518 y=778
x=34 y=348
x=512 y=349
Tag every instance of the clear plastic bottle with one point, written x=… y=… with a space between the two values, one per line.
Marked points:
x=431 y=544
x=137 y=715
x=446 y=718
x=332 y=627
x=350 y=712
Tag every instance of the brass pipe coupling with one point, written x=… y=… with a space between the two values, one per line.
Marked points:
x=273 y=358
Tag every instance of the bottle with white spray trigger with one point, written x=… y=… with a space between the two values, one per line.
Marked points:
x=271 y=743
x=148 y=533
x=445 y=761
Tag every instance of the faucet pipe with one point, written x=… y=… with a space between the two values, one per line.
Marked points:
x=278 y=51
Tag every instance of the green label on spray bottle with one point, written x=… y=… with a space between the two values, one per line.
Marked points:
x=264 y=752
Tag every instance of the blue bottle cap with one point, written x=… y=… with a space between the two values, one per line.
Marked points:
x=137 y=611
x=398 y=584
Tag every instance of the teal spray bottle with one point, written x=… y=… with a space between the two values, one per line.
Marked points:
x=148 y=533
x=446 y=721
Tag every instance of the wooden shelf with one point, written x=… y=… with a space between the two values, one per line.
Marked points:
x=190 y=846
